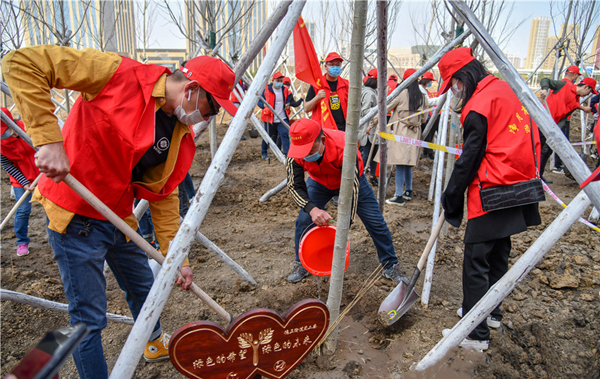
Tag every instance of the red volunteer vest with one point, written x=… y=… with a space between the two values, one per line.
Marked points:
x=564 y=101
x=266 y=114
x=22 y=157
x=341 y=91
x=508 y=156
x=105 y=138
x=329 y=172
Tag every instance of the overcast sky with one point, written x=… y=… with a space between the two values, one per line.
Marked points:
x=166 y=35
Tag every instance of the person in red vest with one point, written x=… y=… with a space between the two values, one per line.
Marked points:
x=127 y=136
x=499 y=139
x=320 y=152
x=392 y=83
x=277 y=96
x=337 y=101
x=562 y=101
x=19 y=162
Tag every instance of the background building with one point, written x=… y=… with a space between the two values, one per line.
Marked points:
x=572 y=30
x=538 y=36
x=169 y=58
x=103 y=25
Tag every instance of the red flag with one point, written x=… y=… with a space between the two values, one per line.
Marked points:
x=308 y=70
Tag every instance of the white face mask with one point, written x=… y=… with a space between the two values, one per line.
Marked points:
x=457 y=92
x=192 y=118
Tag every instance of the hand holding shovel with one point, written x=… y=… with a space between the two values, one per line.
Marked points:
x=404 y=296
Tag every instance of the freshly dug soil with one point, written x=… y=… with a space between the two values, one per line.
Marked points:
x=551 y=327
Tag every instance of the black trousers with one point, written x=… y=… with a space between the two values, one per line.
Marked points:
x=565 y=127
x=484 y=264
x=429 y=136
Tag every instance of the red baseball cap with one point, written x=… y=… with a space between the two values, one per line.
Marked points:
x=372 y=74
x=3 y=124
x=393 y=77
x=303 y=134
x=596 y=174
x=333 y=57
x=215 y=77
x=408 y=72
x=573 y=70
x=590 y=82
x=428 y=75
x=278 y=75
x=287 y=81
x=451 y=62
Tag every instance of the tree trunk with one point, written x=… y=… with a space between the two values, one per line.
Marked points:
x=348 y=170
x=381 y=97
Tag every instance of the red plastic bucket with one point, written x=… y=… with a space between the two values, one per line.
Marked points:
x=316 y=250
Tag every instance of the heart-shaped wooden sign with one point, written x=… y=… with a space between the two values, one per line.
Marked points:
x=258 y=342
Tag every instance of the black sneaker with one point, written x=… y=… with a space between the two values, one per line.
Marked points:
x=407 y=195
x=298 y=273
x=558 y=170
x=265 y=156
x=394 y=273
x=396 y=200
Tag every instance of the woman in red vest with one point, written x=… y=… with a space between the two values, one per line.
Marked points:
x=499 y=136
x=18 y=161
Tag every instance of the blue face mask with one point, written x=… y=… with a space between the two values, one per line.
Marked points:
x=334 y=71
x=313 y=157
x=277 y=85
x=429 y=85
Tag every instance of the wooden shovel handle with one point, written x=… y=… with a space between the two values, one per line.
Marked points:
x=432 y=239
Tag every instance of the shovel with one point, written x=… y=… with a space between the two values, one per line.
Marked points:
x=404 y=296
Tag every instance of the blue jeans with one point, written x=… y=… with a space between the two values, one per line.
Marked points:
x=275 y=130
x=284 y=134
x=22 y=216
x=80 y=261
x=403 y=176
x=368 y=211
x=146 y=225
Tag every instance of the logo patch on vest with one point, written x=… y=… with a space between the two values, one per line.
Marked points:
x=162 y=145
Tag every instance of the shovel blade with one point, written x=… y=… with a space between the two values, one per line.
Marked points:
x=397 y=304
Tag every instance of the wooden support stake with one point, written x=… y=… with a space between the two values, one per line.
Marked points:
x=273 y=191
x=53 y=306
x=18 y=204
x=224 y=258
x=436 y=204
x=159 y=294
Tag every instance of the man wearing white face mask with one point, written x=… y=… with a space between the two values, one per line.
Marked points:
x=278 y=98
x=320 y=152
x=335 y=93
x=127 y=136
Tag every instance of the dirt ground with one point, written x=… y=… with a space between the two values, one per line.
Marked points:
x=551 y=327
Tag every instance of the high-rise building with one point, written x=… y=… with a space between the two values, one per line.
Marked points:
x=572 y=31
x=595 y=53
x=103 y=25
x=538 y=35
x=235 y=23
